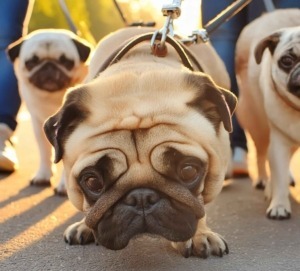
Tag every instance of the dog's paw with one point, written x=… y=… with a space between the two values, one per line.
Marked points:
x=184 y=248
x=259 y=184
x=40 y=182
x=292 y=183
x=279 y=210
x=202 y=245
x=292 y=179
x=42 y=177
x=78 y=234
x=60 y=189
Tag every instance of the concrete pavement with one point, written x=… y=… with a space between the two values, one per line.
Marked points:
x=33 y=221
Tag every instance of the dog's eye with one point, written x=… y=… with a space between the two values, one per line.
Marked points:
x=32 y=62
x=92 y=183
x=67 y=63
x=189 y=171
x=287 y=62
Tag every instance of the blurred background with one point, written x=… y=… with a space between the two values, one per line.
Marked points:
x=100 y=17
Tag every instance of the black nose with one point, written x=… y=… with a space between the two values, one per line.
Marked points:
x=142 y=198
x=49 y=67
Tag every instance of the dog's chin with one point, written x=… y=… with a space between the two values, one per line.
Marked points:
x=167 y=218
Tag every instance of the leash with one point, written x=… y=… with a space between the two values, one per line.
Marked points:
x=269 y=5
x=85 y=33
x=159 y=38
x=125 y=21
x=68 y=17
x=172 y=11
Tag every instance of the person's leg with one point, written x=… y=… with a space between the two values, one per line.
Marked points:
x=224 y=40
x=257 y=7
x=286 y=3
x=13 y=22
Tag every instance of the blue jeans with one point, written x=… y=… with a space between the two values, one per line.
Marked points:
x=224 y=40
x=12 y=18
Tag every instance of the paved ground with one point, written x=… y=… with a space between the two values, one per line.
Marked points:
x=33 y=220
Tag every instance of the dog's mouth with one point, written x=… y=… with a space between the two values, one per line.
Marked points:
x=141 y=211
x=50 y=78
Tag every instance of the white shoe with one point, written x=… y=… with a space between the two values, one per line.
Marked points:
x=238 y=166
x=8 y=156
x=239 y=163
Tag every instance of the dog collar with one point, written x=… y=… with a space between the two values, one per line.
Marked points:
x=186 y=56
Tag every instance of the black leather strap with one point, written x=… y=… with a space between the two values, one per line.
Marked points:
x=181 y=49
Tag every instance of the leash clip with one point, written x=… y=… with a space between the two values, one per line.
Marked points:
x=171 y=11
x=158 y=48
x=200 y=35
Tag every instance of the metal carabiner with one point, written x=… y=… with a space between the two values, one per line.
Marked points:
x=171 y=11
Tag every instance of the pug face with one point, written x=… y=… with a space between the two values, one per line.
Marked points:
x=49 y=60
x=284 y=46
x=143 y=157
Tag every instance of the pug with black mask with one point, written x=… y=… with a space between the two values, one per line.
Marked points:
x=46 y=63
x=145 y=143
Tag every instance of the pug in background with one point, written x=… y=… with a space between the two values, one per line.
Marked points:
x=145 y=144
x=268 y=71
x=46 y=63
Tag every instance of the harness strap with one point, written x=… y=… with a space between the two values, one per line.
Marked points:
x=183 y=52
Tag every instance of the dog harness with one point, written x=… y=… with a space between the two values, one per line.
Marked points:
x=186 y=56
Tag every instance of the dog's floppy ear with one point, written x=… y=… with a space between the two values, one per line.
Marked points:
x=13 y=50
x=223 y=101
x=83 y=47
x=269 y=42
x=59 y=126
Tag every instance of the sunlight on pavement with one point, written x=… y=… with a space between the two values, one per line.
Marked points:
x=36 y=231
x=22 y=205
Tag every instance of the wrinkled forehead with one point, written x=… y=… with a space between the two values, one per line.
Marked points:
x=133 y=112
x=87 y=144
x=126 y=148
x=48 y=44
x=290 y=41
x=138 y=101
